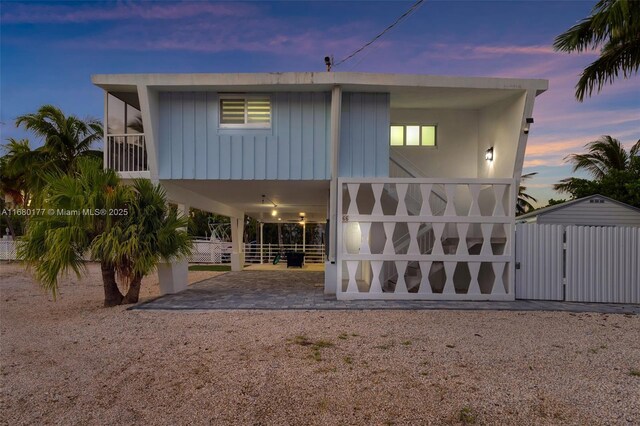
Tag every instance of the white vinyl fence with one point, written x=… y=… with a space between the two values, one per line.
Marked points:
x=539 y=261
x=578 y=263
x=8 y=250
x=603 y=264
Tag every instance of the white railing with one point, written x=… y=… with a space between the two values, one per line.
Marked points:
x=205 y=251
x=471 y=257
x=220 y=252
x=253 y=253
x=126 y=153
x=214 y=252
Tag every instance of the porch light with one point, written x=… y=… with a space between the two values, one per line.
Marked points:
x=353 y=237
x=274 y=213
x=302 y=214
x=489 y=154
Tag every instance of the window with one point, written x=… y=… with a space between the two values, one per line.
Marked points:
x=412 y=135
x=253 y=112
x=123 y=114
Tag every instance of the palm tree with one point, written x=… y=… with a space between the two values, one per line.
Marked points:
x=523 y=204
x=129 y=230
x=614 y=25
x=603 y=156
x=148 y=234
x=66 y=138
x=20 y=170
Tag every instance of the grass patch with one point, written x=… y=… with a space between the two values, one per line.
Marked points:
x=634 y=372
x=407 y=343
x=348 y=360
x=343 y=336
x=314 y=346
x=220 y=268
x=384 y=347
x=466 y=416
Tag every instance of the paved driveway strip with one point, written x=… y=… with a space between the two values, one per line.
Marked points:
x=302 y=290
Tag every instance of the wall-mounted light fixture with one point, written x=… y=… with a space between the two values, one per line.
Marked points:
x=529 y=121
x=489 y=154
x=274 y=213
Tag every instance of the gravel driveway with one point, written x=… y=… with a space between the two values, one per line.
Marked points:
x=73 y=362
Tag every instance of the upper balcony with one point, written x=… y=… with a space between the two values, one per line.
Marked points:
x=125 y=148
x=127 y=154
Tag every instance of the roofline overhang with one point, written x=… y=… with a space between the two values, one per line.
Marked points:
x=313 y=81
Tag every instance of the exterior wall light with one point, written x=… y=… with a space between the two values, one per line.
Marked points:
x=274 y=213
x=529 y=121
x=489 y=154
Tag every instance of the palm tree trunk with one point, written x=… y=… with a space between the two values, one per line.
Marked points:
x=112 y=295
x=134 y=291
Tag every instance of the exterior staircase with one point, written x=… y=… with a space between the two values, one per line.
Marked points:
x=401 y=167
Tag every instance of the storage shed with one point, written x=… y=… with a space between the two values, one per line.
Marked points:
x=594 y=210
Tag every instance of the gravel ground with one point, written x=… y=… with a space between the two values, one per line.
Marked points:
x=73 y=362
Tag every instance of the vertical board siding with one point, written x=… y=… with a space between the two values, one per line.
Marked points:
x=213 y=140
x=192 y=146
x=603 y=264
x=188 y=135
x=164 y=138
x=539 y=252
x=307 y=136
x=364 y=135
x=201 y=135
x=176 y=135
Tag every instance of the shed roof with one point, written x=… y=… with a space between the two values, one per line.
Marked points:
x=557 y=207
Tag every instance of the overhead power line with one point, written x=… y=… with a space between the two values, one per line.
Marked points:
x=412 y=9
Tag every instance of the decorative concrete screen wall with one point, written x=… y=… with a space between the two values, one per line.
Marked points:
x=396 y=242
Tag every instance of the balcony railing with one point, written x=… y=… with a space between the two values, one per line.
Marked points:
x=126 y=153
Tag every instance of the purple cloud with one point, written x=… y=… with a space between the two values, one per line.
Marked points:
x=17 y=13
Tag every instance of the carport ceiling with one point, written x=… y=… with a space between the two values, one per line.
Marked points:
x=291 y=197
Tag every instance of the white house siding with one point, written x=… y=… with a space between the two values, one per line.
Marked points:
x=500 y=127
x=457 y=142
x=594 y=214
x=364 y=135
x=192 y=146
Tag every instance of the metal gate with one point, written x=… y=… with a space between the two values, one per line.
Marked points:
x=539 y=262
x=596 y=264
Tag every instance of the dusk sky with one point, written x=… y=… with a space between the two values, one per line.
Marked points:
x=50 y=49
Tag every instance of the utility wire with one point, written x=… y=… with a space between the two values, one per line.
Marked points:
x=397 y=21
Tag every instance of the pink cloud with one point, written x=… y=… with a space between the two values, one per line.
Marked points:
x=260 y=34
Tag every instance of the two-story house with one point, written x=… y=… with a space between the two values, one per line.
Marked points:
x=415 y=175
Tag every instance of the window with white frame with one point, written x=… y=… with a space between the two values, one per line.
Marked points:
x=245 y=111
x=412 y=135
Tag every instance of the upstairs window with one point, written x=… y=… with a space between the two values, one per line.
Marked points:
x=245 y=112
x=411 y=135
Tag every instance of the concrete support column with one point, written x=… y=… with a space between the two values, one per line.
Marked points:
x=237 y=231
x=261 y=242
x=330 y=270
x=174 y=277
x=304 y=236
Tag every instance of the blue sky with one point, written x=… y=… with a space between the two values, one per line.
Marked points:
x=50 y=49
